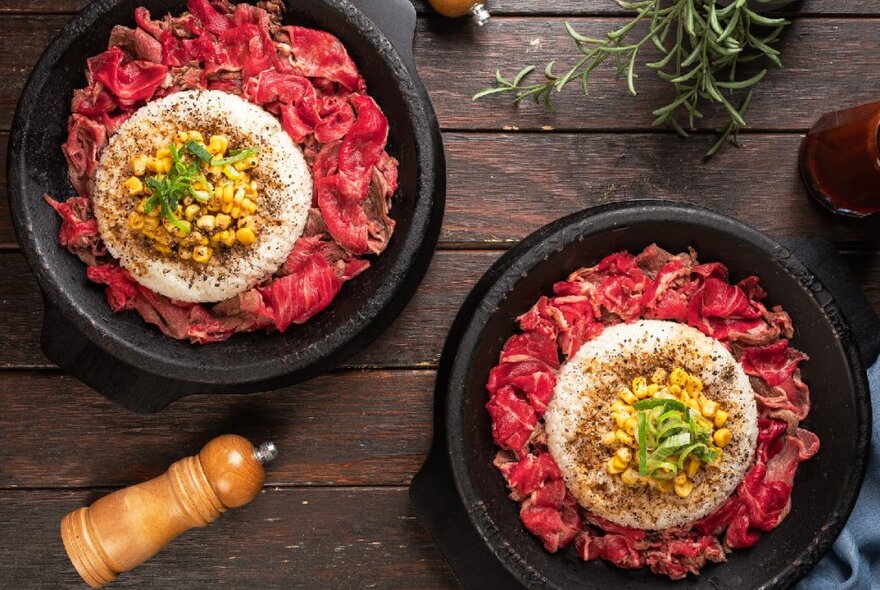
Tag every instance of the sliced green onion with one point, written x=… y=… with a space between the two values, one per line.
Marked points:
x=643 y=443
x=647 y=404
x=199 y=151
x=236 y=156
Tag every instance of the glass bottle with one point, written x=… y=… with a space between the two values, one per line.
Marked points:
x=840 y=162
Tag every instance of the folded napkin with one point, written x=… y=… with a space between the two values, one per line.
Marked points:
x=853 y=563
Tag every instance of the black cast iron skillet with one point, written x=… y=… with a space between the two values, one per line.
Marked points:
x=133 y=363
x=826 y=486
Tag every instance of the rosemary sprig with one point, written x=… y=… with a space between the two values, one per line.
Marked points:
x=701 y=45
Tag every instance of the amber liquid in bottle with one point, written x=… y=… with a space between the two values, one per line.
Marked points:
x=840 y=162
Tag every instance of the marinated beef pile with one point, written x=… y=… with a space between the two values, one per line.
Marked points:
x=653 y=285
x=305 y=78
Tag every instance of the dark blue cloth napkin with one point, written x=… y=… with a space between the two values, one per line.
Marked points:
x=853 y=563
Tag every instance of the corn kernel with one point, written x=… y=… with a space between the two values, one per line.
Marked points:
x=693 y=466
x=664 y=485
x=206 y=222
x=694 y=404
x=680 y=478
x=181 y=138
x=624 y=454
x=191 y=211
x=708 y=408
x=675 y=389
x=639 y=382
x=684 y=490
x=609 y=438
x=627 y=396
x=180 y=232
x=720 y=418
x=151 y=222
x=616 y=405
x=163 y=248
x=135 y=220
x=151 y=164
x=184 y=253
x=619 y=463
x=248 y=207
x=678 y=376
x=202 y=254
x=613 y=467
x=223 y=221
x=630 y=426
x=652 y=389
x=134 y=186
x=624 y=438
x=218 y=144
x=721 y=437
x=163 y=153
x=228 y=193
x=227 y=237
x=235 y=211
x=139 y=165
x=226 y=207
x=659 y=376
x=249 y=221
x=620 y=418
x=694 y=385
x=630 y=477
x=246 y=236
x=196 y=136
x=213 y=205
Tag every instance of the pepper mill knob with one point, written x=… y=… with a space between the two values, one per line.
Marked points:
x=121 y=531
x=457 y=8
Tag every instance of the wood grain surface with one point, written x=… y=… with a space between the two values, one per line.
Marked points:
x=335 y=512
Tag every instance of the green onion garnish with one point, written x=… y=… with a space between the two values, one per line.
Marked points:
x=199 y=151
x=236 y=156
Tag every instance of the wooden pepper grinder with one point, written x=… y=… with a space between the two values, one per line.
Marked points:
x=126 y=528
x=457 y=8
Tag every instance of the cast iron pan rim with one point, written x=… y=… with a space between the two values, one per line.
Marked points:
x=529 y=253
x=348 y=337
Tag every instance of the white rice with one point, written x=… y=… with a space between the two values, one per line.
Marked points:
x=284 y=199
x=579 y=414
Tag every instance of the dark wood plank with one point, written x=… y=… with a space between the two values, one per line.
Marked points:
x=500 y=7
x=499 y=190
x=287 y=538
x=456 y=61
x=347 y=428
x=413 y=340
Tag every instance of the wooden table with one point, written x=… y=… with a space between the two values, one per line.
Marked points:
x=335 y=512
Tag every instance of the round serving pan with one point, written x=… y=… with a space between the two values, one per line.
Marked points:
x=825 y=487
x=133 y=363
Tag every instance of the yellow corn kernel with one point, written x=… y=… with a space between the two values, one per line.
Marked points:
x=694 y=404
x=196 y=136
x=181 y=137
x=675 y=389
x=680 y=478
x=184 y=253
x=652 y=389
x=638 y=383
x=693 y=466
x=235 y=211
x=206 y=222
x=151 y=222
x=630 y=426
x=249 y=221
x=191 y=211
x=228 y=193
x=708 y=408
x=609 y=438
x=151 y=164
x=135 y=220
x=684 y=490
x=613 y=467
x=139 y=165
x=663 y=394
x=163 y=248
x=619 y=463
x=163 y=153
x=134 y=186
x=248 y=207
x=624 y=438
x=246 y=236
x=624 y=454
x=694 y=385
x=218 y=144
x=678 y=376
x=213 y=205
x=616 y=405
x=226 y=207
x=664 y=485
x=620 y=418
x=659 y=376
x=180 y=232
x=223 y=221
x=627 y=395
x=720 y=418
x=163 y=237
x=630 y=477
x=721 y=437
x=202 y=254
x=227 y=237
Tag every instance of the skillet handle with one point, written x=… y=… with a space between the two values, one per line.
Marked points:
x=397 y=21
x=130 y=387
